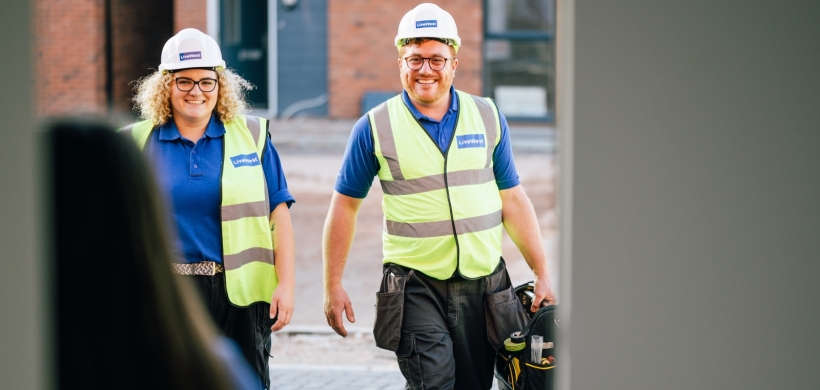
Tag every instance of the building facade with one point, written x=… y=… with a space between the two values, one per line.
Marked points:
x=318 y=58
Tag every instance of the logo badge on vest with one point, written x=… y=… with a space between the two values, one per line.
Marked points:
x=192 y=55
x=426 y=23
x=245 y=160
x=470 y=141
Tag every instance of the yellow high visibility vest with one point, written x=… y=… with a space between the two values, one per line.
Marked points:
x=442 y=210
x=247 y=246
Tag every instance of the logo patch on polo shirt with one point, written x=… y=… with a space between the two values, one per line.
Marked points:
x=470 y=141
x=426 y=23
x=191 y=55
x=245 y=160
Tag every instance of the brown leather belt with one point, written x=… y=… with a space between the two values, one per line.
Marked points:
x=208 y=268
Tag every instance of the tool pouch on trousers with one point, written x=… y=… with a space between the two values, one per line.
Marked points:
x=390 y=306
x=502 y=310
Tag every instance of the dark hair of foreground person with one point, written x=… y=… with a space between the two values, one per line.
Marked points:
x=122 y=319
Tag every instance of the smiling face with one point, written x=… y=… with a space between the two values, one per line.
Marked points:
x=193 y=106
x=427 y=86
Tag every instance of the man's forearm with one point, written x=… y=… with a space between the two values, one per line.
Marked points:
x=521 y=225
x=337 y=239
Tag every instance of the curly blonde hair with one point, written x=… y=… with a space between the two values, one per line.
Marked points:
x=153 y=98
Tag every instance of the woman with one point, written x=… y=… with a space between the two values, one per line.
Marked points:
x=124 y=321
x=229 y=196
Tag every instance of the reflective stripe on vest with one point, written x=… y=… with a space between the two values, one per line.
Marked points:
x=247 y=246
x=442 y=210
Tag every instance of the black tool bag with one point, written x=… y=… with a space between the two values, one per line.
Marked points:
x=514 y=367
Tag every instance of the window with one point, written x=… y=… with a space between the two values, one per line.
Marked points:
x=519 y=57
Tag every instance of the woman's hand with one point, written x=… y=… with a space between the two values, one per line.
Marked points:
x=281 y=306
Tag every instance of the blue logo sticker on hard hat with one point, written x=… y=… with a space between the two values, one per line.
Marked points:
x=426 y=23
x=192 y=55
x=470 y=141
x=245 y=160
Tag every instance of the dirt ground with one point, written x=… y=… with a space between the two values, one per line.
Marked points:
x=311 y=178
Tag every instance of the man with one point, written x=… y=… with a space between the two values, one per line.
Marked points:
x=445 y=165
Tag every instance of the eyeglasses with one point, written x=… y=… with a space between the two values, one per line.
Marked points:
x=415 y=62
x=185 y=84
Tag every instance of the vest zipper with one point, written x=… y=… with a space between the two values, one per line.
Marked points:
x=446 y=153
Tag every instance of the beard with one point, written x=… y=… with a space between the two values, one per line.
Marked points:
x=427 y=96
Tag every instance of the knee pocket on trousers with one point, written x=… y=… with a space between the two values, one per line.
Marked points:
x=426 y=363
x=407 y=346
x=409 y=362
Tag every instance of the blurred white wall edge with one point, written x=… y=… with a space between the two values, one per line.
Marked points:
x=564 y=89
x=24 y=326
x=689 y=215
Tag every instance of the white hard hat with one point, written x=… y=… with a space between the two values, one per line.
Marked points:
x=428 y=20
x=190 y=48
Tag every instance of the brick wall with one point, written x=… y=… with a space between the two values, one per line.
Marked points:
x=139 y=29
x=70 y=69
x=361 y=56
x=190 y=13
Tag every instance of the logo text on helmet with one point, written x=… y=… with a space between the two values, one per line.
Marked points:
x=426 y=23
x=245 y=160
x=193 y=55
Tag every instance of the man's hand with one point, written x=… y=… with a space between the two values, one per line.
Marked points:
x=340 y=228
x=543 y=293
x=281 y=306
x=336 y=302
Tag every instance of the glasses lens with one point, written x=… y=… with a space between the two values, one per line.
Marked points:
x=184 y=84
x=207 y=85
x=437 y=63
x=414 y=62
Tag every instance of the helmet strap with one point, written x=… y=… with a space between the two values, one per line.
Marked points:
x=442 y=40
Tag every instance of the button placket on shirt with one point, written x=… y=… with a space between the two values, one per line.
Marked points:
x=194 y=162
x=442 y=140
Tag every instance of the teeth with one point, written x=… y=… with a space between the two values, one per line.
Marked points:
x=195 y=101
x=426 y=81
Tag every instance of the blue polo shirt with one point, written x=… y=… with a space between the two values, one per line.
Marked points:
x=360 y=164
x=189 y=172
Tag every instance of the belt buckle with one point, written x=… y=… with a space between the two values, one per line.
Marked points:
x=210 y=268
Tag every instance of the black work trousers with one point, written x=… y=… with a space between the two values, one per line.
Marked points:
x=443 y=342
x=248 y=327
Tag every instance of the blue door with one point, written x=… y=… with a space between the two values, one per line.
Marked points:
x=302 y=58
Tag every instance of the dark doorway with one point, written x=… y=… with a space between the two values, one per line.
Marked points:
x=243 y=37
x=135 y=34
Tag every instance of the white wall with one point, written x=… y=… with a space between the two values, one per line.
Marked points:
x=691 y=131
x=22 y=364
